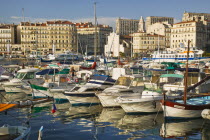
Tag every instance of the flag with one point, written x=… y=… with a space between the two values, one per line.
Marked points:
x=53 y=108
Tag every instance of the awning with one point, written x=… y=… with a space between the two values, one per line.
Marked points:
x=64 y=71
x=38 y=87
x=172 y=75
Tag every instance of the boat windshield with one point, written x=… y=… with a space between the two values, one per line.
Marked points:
x=124 y=81
x=137 y=81
x=23 y=75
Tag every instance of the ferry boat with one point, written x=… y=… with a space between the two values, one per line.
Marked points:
x=177 y=54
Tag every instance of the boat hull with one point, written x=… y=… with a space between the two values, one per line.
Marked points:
x=174 y=110
x=108 y=100
x=141 y=107
x=77 y=99
x=17 y=89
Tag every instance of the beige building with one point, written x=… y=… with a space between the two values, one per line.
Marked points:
x=195 y=31
x=86 y=37
x=155 y=19
x=8 y=37
x=126 y=26
x=40 y=37
x=188 y=16
x=202 y=24
x=163 y=29
x=145 y=44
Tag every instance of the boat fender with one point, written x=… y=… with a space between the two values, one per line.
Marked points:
x=76 y=80
x=154 y=104
x=206 y=113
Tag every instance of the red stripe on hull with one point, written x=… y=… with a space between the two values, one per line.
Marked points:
x=185 y=106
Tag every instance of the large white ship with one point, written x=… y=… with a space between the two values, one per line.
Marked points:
x=177 y=54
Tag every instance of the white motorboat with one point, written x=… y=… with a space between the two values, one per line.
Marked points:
x=147 y=102
x=85 y=94
x=20 y=82
x=125 y=85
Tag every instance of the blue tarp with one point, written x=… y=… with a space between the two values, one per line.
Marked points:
x=189 y=69
x=47 y=71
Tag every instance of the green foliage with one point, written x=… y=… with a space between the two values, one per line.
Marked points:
x=122 y=54
x=205 y=54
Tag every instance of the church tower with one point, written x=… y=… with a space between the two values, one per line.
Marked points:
x=141 y=25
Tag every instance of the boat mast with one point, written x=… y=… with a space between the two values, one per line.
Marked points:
x=186 y=73
x=24 y=49
x=95 y=39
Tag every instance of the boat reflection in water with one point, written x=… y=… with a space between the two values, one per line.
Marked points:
x=205 y=130
x=140 y=122
x=66 y=113
x=111 y=115
x=11 y=97
x=138 y=126
x=131 y=126
x=182 y=128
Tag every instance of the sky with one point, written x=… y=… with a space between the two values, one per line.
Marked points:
x=107 y=10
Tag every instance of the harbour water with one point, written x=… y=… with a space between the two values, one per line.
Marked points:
x=95 y=122
x=98 y=123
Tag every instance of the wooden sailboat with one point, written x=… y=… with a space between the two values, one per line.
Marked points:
x=95 y=44
x=186 y=108
x=5 y=106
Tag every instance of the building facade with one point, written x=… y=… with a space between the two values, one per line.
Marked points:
x=8 y=37
x=40 y=37
x=188 y=16
x=163 y=29
x=144 y=44
x=90 y=37
x=118 y=45
x=155 y=19
x=195 y=31
x=201 y=30
x=126 y=26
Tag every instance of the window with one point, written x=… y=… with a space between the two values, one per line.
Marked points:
x=29 y=75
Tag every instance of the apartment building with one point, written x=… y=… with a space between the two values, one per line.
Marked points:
x=163 y=29
x=144 y=44
x=8 y=37
x=40 y=37
x=195 y=31
x=126 y=26
x=189 y=16
x=202 y=28
x=156 y=19
x=90 y=37
x=62 y=34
